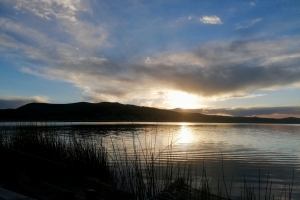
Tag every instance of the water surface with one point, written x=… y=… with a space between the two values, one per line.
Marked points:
x=247 y=151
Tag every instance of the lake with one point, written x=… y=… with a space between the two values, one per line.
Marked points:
x=251 y=152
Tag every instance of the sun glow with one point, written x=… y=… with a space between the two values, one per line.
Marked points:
x=183 y=100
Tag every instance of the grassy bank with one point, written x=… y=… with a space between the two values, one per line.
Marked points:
x=48 y=154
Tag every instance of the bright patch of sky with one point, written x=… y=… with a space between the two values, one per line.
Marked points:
x=191 y=54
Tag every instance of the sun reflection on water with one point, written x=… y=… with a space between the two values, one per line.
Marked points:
x=185 y=135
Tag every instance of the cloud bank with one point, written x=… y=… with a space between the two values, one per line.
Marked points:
x=69 y=47
x=218 y=69
x=228 y=68
x=270 y=112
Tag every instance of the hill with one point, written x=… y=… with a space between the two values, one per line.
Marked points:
x=106 y=111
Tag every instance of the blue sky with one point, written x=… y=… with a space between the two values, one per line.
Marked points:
x=223 y=57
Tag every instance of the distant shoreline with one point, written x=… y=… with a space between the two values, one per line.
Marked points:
x=96 y=123
x=116 y=112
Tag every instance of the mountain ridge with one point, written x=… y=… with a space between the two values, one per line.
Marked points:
x=114 y=111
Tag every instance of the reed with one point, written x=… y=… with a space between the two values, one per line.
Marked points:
x=145 y=173
x=37 y=147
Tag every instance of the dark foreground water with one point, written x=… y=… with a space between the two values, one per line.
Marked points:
x=249 y=152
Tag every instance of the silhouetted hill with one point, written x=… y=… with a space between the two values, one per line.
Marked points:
x=118 y=112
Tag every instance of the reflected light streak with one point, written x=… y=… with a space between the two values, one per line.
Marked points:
x=185 y=135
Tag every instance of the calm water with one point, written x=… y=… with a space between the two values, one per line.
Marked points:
x=247 y=150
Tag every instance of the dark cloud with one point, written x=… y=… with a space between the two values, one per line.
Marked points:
x=228 y=68
x=216 y=69
x=15 y=102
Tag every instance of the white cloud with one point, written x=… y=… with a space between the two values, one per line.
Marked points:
x=87 y=35
x=177 y=59
x=211 y=20
x=249 y=24
x=63 y=9
x=83 y=34
x=35 y=44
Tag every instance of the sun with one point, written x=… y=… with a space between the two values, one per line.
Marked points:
x=179 y=99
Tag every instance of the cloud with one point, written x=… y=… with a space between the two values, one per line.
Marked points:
x=219 y=70
x=48 y=9
x=211 y=20
x=270 y=112
x=92 y=98
x=46 y=57
x=228 y=68
x=86 y=35
x=238 y=96
x=72 y=49
x=248 y=25
x=15 y=102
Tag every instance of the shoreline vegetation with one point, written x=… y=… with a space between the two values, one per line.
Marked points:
x=116 y=112
x=76 y=164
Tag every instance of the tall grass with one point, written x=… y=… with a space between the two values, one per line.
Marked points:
x=32 y=147
x=147 y=173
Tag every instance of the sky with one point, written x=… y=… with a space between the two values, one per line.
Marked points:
x=229 y=57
